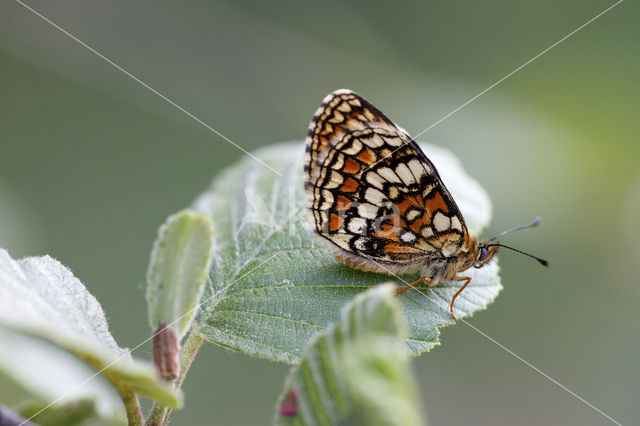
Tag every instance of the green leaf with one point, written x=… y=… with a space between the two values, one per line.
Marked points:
x=356 y=371
x=80 y=412
x=180 y=261
x=272 y=287
x=34 y=374
x=39 y=296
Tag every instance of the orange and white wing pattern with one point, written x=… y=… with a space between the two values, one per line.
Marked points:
x=372 y=193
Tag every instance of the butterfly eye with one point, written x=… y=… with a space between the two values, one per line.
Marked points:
x=483 y=254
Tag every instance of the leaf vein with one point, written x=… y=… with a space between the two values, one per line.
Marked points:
x=296 y=321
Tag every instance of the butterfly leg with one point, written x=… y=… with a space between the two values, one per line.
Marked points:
x=468 y=280
x=416 y=282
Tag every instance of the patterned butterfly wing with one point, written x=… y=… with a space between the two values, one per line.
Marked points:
x=373 y=195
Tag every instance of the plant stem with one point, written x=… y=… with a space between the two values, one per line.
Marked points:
x=156 y=415
x=188 y=353
x=127 y=395
x=159 y=414
x=191 y=348
x=132 y=407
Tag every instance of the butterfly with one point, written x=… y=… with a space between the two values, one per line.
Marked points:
x=379 y=204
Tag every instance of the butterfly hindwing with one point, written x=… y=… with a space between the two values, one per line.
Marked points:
x=373 y=194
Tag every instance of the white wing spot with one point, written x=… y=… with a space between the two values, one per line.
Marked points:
x=342 y=240
x=327 y=195
x=367 y=210
x=405 y=174
x=358 y=225
x=356 y=147
x=426 y=231
x=393 y=141
x=360 y=243
x=417 y=168
x=413 y=214
x=407 y=237
x=334 y=181
x=337 y=118
x=373 y=141
x=441 y=222
x=455 y=223
x=368 y=114
x=326 y=200
x=388 y=174
x=338 y=162
x=375 y=179
x=328 y=128
x=426 y=191
x=374 y=196
x=344 y=107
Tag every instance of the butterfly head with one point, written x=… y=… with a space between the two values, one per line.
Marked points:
x=486 y=250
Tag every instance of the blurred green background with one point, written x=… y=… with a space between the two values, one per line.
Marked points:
x=91 y=163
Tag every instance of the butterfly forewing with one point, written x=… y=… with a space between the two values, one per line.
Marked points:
x=373 y=194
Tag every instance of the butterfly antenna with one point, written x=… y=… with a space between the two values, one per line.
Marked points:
x=542 y=261
x=533 y=223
